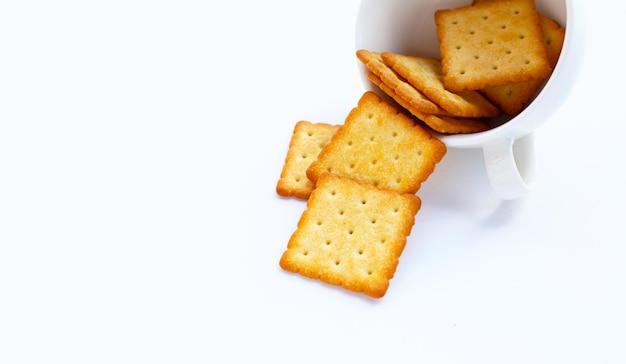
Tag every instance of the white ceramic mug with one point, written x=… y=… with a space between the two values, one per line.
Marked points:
x=408 y=27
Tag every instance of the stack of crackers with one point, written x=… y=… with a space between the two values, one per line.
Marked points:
x=360 y=180
x=495 y=54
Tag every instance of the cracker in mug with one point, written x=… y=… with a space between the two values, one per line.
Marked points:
x=418 y=101
x=425 y=74
x=513 y=98
x=491 y=44
x=439 y=123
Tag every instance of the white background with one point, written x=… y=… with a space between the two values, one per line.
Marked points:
x=140 y=144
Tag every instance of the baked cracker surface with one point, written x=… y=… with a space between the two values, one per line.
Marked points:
x=306 y=142
x=351 y=235
x=513 y=98
x=439 y=123
x=426 y=75
x=382 y=146
x=491 y=44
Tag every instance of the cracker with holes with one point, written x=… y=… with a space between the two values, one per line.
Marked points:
x=513 y=98
x=491 y=44
x=426 y=75
x=439 y=123
x=351 y=235
x=381 y=146
x=307 y=141
x=417 y=100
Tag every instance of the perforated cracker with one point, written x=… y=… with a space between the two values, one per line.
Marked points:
x=553 y=38
x=306 y=142
x=513 y=98
x=426 y=75
x=418 y=101
x=351 y=235
x=440 y=124
x=491 y=44
x=381 y=146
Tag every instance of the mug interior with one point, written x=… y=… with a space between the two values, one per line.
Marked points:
x=408 y=27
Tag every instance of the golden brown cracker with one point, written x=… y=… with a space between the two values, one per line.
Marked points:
x=439 y=123
x=553 y=33
x=306 y=142
x=425 y=74
x=553 y=38
x=381 y=146
x=351 y=235
x=491 y=44
x=456 y=125
x=375 y=64
x=513 y=98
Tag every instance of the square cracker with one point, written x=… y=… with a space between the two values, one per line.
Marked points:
x=374 y=63
x=425 y=74
x=513 y=98
x=439 y=123
x=491 y=44
x=351 y=235
x=381 y=146
x=306 y=142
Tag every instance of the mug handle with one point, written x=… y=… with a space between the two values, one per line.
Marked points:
x=511 y=166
